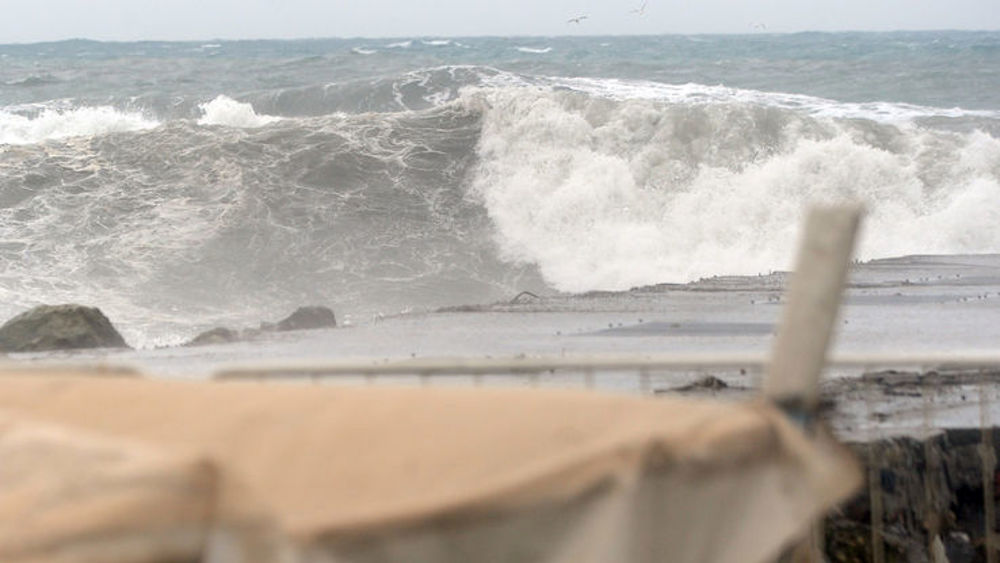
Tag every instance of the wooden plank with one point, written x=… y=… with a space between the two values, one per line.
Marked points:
x=806 y=328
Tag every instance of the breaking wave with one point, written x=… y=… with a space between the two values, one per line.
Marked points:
x=224 y=110
x=605 y=193
x=459 y=184
x=50 y=124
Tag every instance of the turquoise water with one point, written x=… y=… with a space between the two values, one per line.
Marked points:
x=943 y=69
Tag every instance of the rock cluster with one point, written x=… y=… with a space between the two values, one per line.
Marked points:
x=930 y=492
x=304 y=318
x=75 y=327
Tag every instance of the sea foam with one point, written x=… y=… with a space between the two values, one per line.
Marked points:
x=535 y=50
x=51 y=124
x=693 y=93
x=226 y=111
x=611 y=194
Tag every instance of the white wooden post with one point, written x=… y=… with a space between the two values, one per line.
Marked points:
x=799 y=352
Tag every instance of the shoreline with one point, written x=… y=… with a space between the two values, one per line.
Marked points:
x=911 y=305
x=921 y=433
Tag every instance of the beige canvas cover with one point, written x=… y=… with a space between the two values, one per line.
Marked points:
x=72 y=496
x=348 y=474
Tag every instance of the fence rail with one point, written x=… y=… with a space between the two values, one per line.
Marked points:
x=536 y=365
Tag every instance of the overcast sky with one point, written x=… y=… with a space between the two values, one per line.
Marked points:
x=44 y=20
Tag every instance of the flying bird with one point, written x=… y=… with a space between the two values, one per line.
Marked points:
x=759 y=26
x=641 y=10
x=577 y=19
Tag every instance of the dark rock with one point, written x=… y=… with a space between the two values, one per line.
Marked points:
x=708 y=386
x=305 y=318
x=217 y=335
x=464 y=309
x=709 y=382
x=847 y=540
x=929 y=490
x=959 y=549
x=59 y=327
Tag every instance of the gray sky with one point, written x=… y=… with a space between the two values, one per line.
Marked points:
x=44 y=20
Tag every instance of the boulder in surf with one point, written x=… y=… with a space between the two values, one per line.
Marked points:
x=59 y=327
x=305 y=318
x=217 y=335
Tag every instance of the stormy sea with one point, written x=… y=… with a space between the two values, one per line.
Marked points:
x=184 y=185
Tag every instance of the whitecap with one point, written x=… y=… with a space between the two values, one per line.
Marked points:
x=48 y=124
x=692 y=93
x=535 y=50
x=224 y=110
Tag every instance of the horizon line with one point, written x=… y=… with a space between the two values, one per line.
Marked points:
x=493 y=36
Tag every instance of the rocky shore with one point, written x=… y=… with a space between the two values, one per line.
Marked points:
x=304 y=318
x=927 y=438
x=920 y=495
x=79 y=327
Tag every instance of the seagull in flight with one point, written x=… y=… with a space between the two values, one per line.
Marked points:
x=641 y=10
x=577 y=19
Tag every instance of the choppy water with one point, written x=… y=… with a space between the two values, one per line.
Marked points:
x=179 y=185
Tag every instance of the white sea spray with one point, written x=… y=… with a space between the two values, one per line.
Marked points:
x=608 y=194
